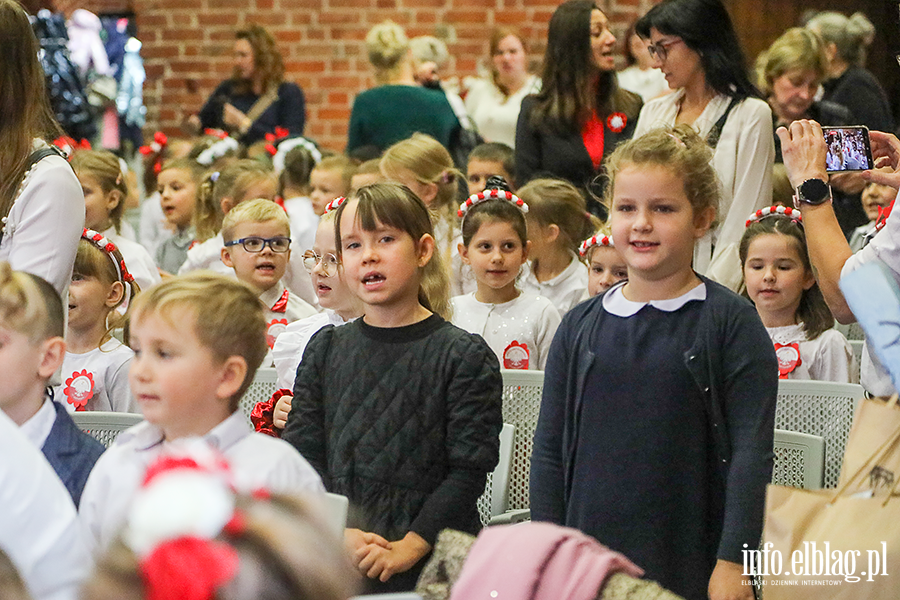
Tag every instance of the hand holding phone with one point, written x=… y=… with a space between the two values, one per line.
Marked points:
x=849 y=149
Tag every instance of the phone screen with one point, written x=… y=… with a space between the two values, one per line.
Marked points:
x=848 y=149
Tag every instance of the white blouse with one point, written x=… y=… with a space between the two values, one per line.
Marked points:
x=495 y=114
x=826 y=358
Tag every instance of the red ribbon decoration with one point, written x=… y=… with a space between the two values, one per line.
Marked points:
x=788 y=358
x=263 y=414
x=216 y=133
x=281 y=305
x=883 y=214
x=617 y=122
x=188 y=568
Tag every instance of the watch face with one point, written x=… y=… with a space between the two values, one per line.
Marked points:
x=813 y=191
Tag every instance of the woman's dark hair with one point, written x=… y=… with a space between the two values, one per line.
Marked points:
x=706 y=28
x=567 y=97
x=813 y=311
x=630 y=58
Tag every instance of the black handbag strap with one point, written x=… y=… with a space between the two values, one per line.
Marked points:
x=712 y=138
x=33 y=159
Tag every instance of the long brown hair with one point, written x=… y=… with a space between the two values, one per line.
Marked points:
x=25 y=112
x=267 y=62
x=567 y=94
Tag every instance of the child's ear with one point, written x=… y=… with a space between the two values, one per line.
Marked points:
x=424 y=249
x=550 y=232
x=526 y=250
x=226 y=258
x=113 y=198
x=463 y=252
x=430 y=192
x=226 y=204
x=809 y=280
x=703 y=221
x=53 y=351
x=234 y=370
x=116 y=293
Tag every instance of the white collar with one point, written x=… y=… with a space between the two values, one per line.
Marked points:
x=37 y=428
x=272 y=295
x=787 y=334
x=615 y=302
x=221 y=437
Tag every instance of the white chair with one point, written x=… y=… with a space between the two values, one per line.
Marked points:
x=265 y=383
x=495 y=499
x=851 y=331
x=822 y=408
x=522 y=392
x=799 y=460
x=336 y=507
x=105 y=427
x=857 y=346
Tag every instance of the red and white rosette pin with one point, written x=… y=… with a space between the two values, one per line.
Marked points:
x=334 y=204
x=788 y=356
x=79 y=389
x=275 y=328
x=516 y=356
x=617 y=122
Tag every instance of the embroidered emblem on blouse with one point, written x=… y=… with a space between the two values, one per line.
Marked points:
x=79 y=389
x=515 y=356
x=274 y=329
x=788 y=358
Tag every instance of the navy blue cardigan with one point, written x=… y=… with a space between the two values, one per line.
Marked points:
x=71 y=452
x=733 y=364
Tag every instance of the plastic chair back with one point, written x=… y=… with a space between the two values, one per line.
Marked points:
x=105 y=427
x=851 y=331
x=495 y=498
x=820 y=408
x=799 y=460
x=265 y=383
x=857 y=346
x=521 y=405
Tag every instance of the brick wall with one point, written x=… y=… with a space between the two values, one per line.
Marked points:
x=187 y=45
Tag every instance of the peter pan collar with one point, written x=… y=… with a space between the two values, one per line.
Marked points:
x=615 y=302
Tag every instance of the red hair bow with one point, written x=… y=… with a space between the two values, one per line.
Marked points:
x=216 y=133
x=188 y=568
x=272 y=138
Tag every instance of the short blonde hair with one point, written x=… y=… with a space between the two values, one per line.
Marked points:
x=429 y=162
x=232 y=182
x=341 y=165
x=229 y=319
x=254 y=211
x=796 y=48
x=29 y=305
x=105 y=168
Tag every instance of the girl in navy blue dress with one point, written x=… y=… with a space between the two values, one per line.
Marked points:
x=655 y=432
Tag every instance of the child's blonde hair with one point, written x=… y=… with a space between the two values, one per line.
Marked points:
x=341 y=165
x=259 y=210
x=558 y=202
x=29 y=305
x=429 y=162
x=229 y=318
x=232 y=182
x=285 y=551
x=396 y=206
x=681 y=150
x=105 y=168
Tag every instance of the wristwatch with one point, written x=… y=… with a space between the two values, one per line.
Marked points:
x=813 y=192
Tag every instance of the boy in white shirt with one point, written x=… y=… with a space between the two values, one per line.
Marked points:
x=198 y=340
x=257 y=236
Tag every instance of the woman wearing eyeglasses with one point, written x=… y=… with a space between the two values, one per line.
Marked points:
x=694 y=44
x=580 y=114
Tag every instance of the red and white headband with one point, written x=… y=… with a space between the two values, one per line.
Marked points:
x=596 y=240
x=108 y=247
x=334 y=204
x=486 y=195
x=784 y=211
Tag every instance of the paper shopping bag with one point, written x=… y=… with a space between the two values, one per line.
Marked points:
x=836 y=544
x=875 y=420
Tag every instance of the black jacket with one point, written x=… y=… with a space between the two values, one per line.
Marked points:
x=405 y=422
x=541 y=151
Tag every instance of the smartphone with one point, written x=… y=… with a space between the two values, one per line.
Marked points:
x=849 y=149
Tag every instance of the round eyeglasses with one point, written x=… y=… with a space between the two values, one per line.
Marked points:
x=253 y=243
x=328 y=261
x=660 y=50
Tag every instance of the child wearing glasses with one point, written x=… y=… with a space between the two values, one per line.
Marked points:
x=257 y=245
